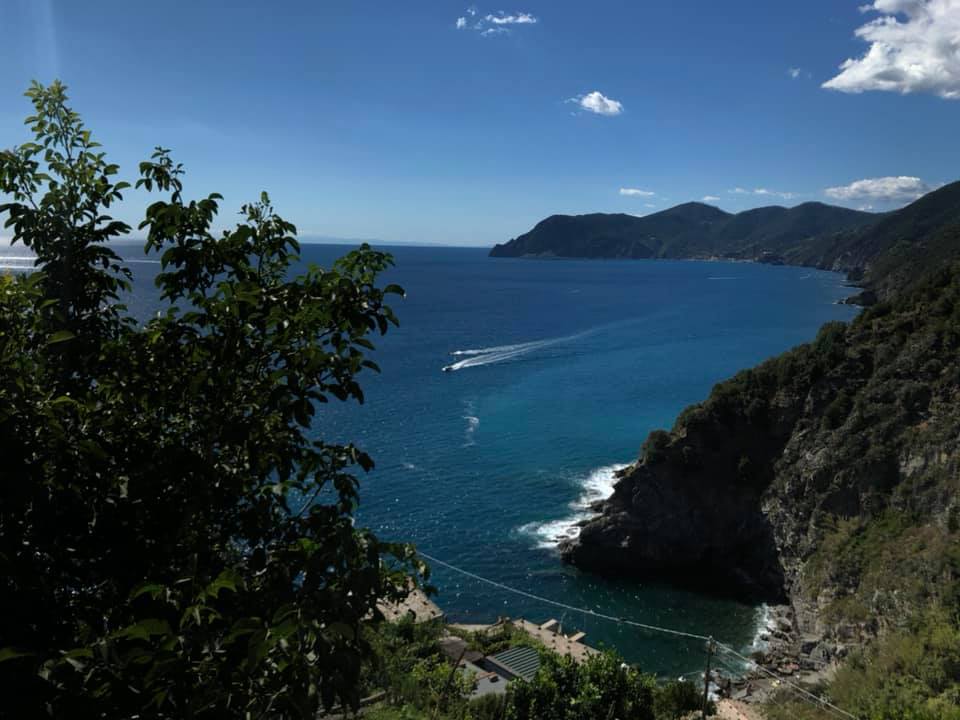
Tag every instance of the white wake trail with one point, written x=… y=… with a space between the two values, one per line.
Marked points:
x=478 y=357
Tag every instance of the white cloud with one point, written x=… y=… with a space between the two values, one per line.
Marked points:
x=518 y=19
x=710 y=198
x=914 y=47
x=493 y=23
x=889 y=190
x=636 y=192
x=774 y=193
x=763 y=192
x=794 y=72
x=597 y=102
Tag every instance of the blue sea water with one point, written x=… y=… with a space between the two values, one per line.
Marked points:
x=558 y=372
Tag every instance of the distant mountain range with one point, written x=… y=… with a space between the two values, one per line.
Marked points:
x=884 y=250
x=689 y=230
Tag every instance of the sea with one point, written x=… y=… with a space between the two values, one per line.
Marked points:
x=556 y=372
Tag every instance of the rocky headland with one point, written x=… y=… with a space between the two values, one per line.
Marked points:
x=826 y=481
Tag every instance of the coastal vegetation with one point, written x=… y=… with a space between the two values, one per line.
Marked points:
x=175 y=542
x=912 y=674
x=419 y=682
x=828 y=478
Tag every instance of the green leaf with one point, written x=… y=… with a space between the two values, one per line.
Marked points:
x=60 y=336
x=229 y=579
x=144 y=630
x=154 y=590
x=9 y=653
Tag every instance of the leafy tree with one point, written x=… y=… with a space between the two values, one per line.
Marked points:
x=601 y=687
x=174 y=543
x=679 y=699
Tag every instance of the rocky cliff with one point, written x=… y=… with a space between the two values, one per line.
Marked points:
x=827 y=478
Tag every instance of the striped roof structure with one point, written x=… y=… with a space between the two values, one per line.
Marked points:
x=521 y=662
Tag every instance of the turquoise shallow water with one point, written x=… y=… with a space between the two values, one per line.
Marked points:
x=563 y=369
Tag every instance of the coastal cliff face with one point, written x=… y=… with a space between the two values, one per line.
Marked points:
x=828 y=476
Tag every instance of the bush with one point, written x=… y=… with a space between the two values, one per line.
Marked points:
x=655 y=448
x=677 y=699
x=837 y=411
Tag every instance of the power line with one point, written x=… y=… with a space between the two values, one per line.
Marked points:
x=820 y=702
x=735 y=667
x=809 y=695
x=548 y=601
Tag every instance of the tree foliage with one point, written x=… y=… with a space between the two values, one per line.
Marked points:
x=601 y=687
x=173 y=540
x=912 y=674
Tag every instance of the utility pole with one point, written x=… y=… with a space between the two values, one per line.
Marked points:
x=711 y=648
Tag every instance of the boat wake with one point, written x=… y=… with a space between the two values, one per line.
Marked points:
x=597 y=485
x=478 y=357
x=473 y=422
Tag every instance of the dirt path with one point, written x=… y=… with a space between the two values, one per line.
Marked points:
x=736 y=710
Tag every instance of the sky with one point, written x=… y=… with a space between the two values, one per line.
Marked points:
x=442 y=122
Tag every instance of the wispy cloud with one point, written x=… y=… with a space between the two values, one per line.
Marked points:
x=710 y=198
x=761 y=191
x=637 y=192
x=493 y=23
x=797 y=72
x=598 y=103
x=518 y=19
x=894 y=190
x=914 y=47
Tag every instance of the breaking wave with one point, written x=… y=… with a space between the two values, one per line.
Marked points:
x=597 y=485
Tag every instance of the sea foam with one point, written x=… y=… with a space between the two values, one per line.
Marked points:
x=597 y=485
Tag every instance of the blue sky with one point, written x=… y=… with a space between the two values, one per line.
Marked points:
x=384 y=120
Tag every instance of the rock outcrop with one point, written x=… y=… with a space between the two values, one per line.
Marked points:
x=828 y=477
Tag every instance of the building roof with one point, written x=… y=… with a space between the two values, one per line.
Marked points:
x=487 y=683
x=522 y=662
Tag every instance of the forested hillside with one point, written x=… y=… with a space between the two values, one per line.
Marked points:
x=692 y=230
x=828 y=479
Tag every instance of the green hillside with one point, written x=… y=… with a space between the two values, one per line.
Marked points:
x=684 y=231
